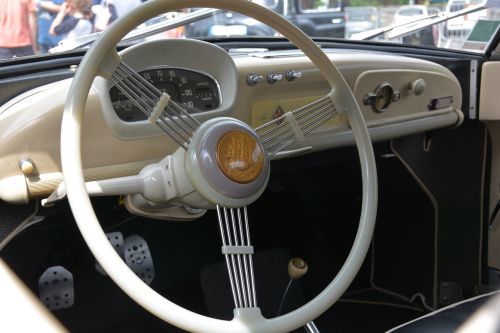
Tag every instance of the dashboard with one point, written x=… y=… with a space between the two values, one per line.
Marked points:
x=397 y=95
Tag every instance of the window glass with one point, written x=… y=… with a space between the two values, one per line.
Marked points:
x=267 y=3
x=319 y=5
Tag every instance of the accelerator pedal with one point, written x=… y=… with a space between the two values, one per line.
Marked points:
x=116 y=240
x=138 y=258
x=55 y=288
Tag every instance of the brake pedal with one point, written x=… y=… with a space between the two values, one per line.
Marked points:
x=138 y=258
x=55 y=288
x=116 y=240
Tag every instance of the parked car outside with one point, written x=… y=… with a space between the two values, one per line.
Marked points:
x=407 y=13
x=319 y=19
x=454 y=31
x=233 y=24
x=410 y=13
x=359 y=19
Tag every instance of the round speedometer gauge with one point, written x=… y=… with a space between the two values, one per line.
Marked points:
x=194 y=91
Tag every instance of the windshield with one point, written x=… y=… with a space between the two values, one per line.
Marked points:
x=29 y=27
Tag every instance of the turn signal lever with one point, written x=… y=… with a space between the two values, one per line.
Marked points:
x=297 y=268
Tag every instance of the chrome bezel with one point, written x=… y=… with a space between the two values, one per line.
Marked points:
x=205 y=173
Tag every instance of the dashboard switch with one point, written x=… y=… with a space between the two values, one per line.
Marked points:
x=253 y=79
x=273 y=78
x=292 y=75
x=417 y=86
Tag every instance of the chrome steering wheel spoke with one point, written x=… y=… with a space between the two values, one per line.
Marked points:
x=281 y=132
x=275 y=136
x=237 y=248
x=155 y=104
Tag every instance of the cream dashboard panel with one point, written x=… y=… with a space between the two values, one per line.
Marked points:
x=30 y=124
x=363 y=72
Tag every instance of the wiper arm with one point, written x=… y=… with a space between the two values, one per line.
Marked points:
x=87 y=40
x=403 y=29
x=370 y=34
x=441 y=17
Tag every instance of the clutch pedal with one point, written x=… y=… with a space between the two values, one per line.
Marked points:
x=55 y=288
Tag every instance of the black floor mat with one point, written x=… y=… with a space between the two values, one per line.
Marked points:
x=367 y=310
x=271 y=279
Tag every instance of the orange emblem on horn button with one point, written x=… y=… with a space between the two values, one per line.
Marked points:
x=239 y=157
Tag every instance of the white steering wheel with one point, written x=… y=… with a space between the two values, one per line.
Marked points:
x=102 y=60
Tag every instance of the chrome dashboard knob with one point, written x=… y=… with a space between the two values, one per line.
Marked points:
x=273 y=78
x=253 y=79
x=292 y=75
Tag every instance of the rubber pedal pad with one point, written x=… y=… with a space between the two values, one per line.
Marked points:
x=55 y=288
x=138 y=258
x=116 y=240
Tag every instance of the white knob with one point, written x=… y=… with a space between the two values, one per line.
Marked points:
x=417 y=86
x=297 y=268
x=27 y=167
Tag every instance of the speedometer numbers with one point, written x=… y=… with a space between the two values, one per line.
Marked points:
x=194 y=91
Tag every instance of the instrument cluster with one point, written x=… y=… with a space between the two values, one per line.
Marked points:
x=196 y=92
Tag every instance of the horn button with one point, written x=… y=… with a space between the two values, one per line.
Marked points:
x=227 y=163
x=240 y=157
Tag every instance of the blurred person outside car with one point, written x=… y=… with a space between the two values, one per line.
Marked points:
x=73 y=20
x=125 y=6
x=104 y=14
x=18 y=28
x=47 y=11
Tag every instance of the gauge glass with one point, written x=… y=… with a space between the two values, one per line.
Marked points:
x=383 y=97
x=194 y=91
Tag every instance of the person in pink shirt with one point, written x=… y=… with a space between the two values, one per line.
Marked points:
x=18 y=28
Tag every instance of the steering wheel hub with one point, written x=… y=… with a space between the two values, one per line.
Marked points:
x=240 y=157
x=227 y=163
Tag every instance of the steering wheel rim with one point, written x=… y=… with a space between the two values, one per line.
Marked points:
x=97 y=62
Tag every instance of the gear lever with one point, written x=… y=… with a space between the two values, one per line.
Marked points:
x=297 y=268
